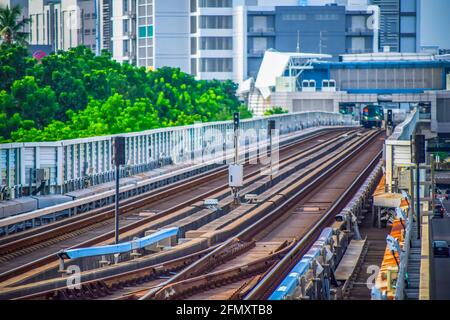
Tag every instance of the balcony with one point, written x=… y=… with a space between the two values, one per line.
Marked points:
x=130 y=34
x=358 y=32
x=130 y=14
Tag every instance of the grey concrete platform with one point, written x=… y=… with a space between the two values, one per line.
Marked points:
x=51 y=200
x=17 y=206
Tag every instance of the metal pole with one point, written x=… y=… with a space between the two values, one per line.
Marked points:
x=270 y=153
x=236 y=124
x=236 y=146
x=430 y=227
x=419 y=219
x=117 y=205
x=411 y=188
x=433 y=184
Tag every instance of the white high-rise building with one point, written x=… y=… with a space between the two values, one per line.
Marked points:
x=12 y=3
x=212 y=29
x=123 y=36
x=162 y=34
x=63 y=24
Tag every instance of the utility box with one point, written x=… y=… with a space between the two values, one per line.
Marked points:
x=236 y=175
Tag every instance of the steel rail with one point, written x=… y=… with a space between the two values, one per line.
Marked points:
x=97 y=215
x=280 y=270
x=86 y=285
x=51 y=258
x=261 y=224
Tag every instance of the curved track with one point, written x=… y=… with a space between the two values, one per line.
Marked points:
x=204 y=186
x=233 y=268
x=276 y=241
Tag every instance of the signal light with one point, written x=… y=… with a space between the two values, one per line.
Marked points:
x=419 y=148
x=389 y=117
x=236 y=120
x=118 y=151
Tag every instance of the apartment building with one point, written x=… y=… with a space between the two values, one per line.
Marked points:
x=123 y=30
x=77 y=24
x=63 y=24
x=146 y=33
x=220 y=39
x=12 y=3
x=228 y=38
x=399 y=24
x=212 y=37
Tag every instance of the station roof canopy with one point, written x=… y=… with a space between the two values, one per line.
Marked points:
x=274 y=65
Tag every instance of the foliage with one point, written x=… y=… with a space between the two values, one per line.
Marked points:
x=11 y=29
x=72 y=94
x=14 y=62
x=443 y=156
x=275 y=110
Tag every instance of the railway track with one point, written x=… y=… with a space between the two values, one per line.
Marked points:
x=373 y=257
x=233 y=268
x=10 y=246
x=278 y=241
x=287 y=153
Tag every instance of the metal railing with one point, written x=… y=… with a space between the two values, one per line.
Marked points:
x=404 y=255
x=74 y=164
x=404 y=130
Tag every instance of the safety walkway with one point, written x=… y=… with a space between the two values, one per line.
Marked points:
x=350 y=259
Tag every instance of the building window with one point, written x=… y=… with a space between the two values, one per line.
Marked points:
x=216 y=65
x=37 y=29
x=194 y=66
x=142 y=32
x=145 y=31
x=193 y=5
x=126 y=48
x=193 y=24
x=216 y=43
x=125 y=26
x=193 y=45
x=56 y=28
x=216 y=22
x=216 y=3
x=293 y=17
x=326 y=17
x=125 y=5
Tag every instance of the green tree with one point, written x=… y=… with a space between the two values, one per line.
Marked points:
x=14 y=62
x=74 y=93
x=34 y=103
x=275 y=110
x=11 y=29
